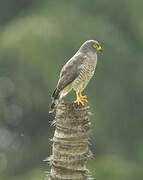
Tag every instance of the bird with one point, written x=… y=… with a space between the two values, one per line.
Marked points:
x=76 y=73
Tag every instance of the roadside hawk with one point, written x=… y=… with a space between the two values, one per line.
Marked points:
x=76 y=73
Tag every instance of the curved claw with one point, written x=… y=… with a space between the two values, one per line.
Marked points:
x=83 y=98
x=80 y=99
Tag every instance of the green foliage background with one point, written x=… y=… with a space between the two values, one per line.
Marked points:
x=36 y=39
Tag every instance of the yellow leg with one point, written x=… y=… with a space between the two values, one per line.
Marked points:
x=80 y=99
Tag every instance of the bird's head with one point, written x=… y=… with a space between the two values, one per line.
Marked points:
x=91 y=46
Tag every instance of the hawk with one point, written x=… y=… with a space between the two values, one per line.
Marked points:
x=76 y=73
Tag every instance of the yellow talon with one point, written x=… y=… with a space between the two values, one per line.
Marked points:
x=80 y=99
x=83 y=98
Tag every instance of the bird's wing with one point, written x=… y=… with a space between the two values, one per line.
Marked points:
x=69 y=72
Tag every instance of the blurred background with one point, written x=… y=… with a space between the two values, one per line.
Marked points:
x=36 y=39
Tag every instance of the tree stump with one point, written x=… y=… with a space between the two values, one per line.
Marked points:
x=70 y=150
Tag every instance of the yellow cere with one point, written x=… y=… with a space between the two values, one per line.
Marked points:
x=97 y=47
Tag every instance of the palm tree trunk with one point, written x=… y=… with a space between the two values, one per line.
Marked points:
x=70 y=149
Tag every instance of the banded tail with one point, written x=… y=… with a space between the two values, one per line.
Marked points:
x=55 y=100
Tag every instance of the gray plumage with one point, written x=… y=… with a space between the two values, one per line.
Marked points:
x=77 y=72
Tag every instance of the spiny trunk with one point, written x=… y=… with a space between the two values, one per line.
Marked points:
x=70 y=143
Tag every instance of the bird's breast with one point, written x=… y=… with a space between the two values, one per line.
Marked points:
x=86 y=72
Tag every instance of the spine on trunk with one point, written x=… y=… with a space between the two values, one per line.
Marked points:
x=70 y=150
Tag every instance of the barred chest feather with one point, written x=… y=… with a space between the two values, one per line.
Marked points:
x=84 y=77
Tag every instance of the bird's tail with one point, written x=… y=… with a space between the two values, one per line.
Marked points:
x=53 y=105
x=55 y=100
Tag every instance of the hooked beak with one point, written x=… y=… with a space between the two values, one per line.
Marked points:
x=100 y=49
